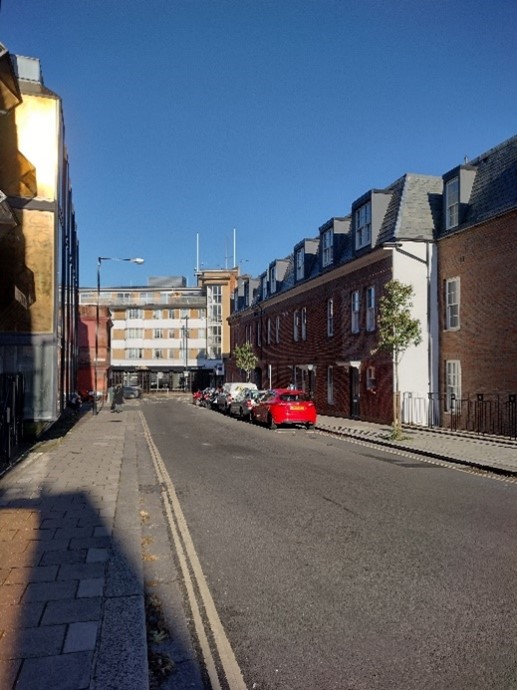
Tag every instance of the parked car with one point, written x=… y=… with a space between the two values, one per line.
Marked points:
x=285 y=406
x=229 y=392
x=242 y=405
x=130 y=392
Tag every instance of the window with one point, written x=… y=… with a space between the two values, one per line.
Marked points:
x=214 y=341
x=158 y=354
x=296 y=325
x=452 y=203
x=300 y=263
x=123 y=297
x=304 y=323
x=330 y=317
x=158 y=333
x=452 y=385
x=363 y=226
x=330 y=385
x=259 y=332
x=134 y=313
x=272 y=279
x=327 y=239
x=164 y=297
x=264 y=287
x=355 y=309
x=452 y=304
x=370 y=379
x=269 y=331
x=171 y=313
x=157 y=314
x=135 y=353
x=277 y=329
x=132 y=333
x=370 y=309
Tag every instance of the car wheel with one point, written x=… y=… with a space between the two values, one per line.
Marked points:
x=309 y=425
x=270 y=422
x=240 y=413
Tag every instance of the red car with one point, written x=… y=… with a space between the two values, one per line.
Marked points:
x=285 y=406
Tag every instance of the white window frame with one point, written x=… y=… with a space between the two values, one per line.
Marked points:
x=277 y=329
x=370 y=308
x=330 y=385
x=272 y=279
x=452 y=304
x=135 y=314
x=330 y=317
x=452 y=203
x=300 y=263
x=452 y=384
x=355 y=311
x=264 y=287
x=327 y=243
x=363 y=225
x=370 y=378
x=296 y=325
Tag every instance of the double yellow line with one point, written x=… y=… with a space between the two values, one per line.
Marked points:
x=194 y=579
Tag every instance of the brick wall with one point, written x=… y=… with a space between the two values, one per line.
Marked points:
x=320 y=350
x=485 y=260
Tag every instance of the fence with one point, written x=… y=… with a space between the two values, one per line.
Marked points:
x=482 y=413
x=11 y=416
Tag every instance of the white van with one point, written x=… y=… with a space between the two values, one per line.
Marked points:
x=230 y=391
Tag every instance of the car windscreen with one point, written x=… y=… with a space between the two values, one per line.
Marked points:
x=294 y=397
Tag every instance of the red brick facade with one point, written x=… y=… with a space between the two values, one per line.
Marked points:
x=306 y=361
x=484 y=258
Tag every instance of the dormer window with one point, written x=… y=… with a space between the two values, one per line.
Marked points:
x=300 y=263
x=363 y=226
x=264 y=287
x=272 y=279
x=452 y=203
x=327 y=241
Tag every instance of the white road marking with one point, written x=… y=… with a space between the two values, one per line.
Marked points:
x=189 y=562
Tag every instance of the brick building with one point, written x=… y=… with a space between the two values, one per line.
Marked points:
x=312 y=316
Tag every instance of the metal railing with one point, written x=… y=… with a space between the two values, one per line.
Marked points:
x=11 y=416
x=481 y=413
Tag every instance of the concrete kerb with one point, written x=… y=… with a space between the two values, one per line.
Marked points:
x=375 y=438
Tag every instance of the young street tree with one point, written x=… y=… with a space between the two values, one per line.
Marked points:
x=245 y=358
x=397 y=331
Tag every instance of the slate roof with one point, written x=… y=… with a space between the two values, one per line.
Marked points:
x=415 y=209
x=495 y=185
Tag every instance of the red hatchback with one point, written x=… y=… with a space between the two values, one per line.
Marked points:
x=285 y=406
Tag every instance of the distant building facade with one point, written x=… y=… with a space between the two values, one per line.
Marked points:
x=165 y=335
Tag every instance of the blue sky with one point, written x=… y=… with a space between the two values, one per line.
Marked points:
x=190 y=118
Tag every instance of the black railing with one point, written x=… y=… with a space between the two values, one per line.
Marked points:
x=482 y=413
x=11 y=416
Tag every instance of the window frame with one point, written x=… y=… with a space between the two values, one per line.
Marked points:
x=452 y=205
x=355 y=312
x=296 y=325
x=363 y=225
x=327 y=244
x=330 y=385
x=452 y=384
x=452 y=308
x=300 y=263
x=330 y=317
x=370 y=309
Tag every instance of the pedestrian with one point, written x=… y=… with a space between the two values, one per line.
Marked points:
x=118 y=399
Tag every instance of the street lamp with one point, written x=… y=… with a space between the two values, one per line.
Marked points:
x=99 y=262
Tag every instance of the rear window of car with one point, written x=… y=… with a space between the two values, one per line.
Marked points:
x=294 y=397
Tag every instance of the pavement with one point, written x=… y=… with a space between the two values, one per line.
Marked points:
x=85 y=555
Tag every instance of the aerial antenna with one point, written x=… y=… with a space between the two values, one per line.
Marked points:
x=235 y=248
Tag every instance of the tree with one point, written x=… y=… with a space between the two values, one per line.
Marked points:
x=245 y=358
x=397 y=331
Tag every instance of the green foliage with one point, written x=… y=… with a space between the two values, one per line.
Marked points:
x=245 y=358
x=397 y=329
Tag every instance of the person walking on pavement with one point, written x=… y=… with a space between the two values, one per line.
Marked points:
x=118 y=399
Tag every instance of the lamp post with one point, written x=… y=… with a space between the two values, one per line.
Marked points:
x=99 y=263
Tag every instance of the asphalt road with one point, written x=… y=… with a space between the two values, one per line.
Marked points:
x=338 y=566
